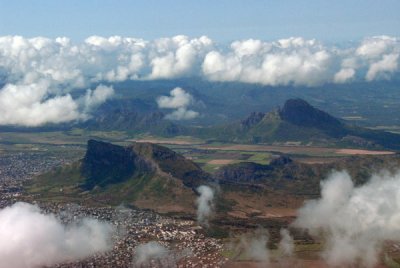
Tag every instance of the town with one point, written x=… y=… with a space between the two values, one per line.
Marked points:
x=185 y=240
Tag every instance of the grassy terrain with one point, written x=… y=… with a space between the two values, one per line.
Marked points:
x=63 y=184
x=209 y=155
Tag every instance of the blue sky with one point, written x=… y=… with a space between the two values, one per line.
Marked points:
x=223 y=20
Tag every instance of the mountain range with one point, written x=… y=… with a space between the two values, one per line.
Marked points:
x=154 y=177
x=298 y=121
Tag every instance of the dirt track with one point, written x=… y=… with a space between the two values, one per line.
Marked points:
x=296 y=149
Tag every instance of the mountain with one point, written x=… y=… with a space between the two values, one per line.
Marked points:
x=298 y=121
x=154 y=177
x=134 y=116
x=142 y=174
x=106 y=163
x=300 y=113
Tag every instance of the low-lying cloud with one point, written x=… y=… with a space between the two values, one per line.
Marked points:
x=354 y=222
x=151 y=251
x=205 y=204
x=38 y=74
x=34 y=105
x=30 y=238
x=286 y=244
x=179 y=100
x=154 y=254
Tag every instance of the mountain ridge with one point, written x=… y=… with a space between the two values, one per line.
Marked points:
x=298 y=121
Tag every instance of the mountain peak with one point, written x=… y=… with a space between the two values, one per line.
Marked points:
x=301 y=113
x=253 y=119
x=105 y=163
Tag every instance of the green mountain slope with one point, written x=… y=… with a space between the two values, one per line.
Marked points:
x=142 y=174
x=154 y=177
x=298 y=121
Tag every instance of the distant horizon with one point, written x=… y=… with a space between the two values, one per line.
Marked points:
x=223 y=21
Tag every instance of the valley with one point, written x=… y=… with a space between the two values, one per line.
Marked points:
x=191 y=134
x=239 y=207
x=148 y=184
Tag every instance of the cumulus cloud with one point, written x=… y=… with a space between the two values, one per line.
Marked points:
x=377 y=46
x=28 y=65
x=353 y=221
x=344 y=75
x=28 y=105
x=179 y=100
x=178 y=56
x=30 y=238
x=388 y=64
x=94 y=98
x=293 y=60
x=205 y=204
x=34 y=105
x=288 y=61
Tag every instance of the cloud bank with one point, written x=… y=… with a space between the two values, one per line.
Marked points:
x=38 y=74
x=354 y=221
x=179 y=100
x=30 y=238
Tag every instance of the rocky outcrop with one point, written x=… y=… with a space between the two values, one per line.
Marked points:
x=105 y=163
x=253 y=119
x=173 y=164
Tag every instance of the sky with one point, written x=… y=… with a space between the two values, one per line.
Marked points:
x=221 y=20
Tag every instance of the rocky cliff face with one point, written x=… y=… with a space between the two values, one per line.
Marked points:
x=173 y=164
x=105 y=163
x=253 y=119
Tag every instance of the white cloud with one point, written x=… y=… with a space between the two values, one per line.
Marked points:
x=177 y=56
x=182 y=114
x=179 y=99
x=65 y=65
x=152 y=250
x=28 y=105
x=253 y=246
x=205 y=204
x=286 y=244
x=33 y=104
x=353 y=221
x=293 y=60
x=289 y=61
x=30 y=238
x=388 y=64
x=94 y=98
x=344 y=75
x=376 y=46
